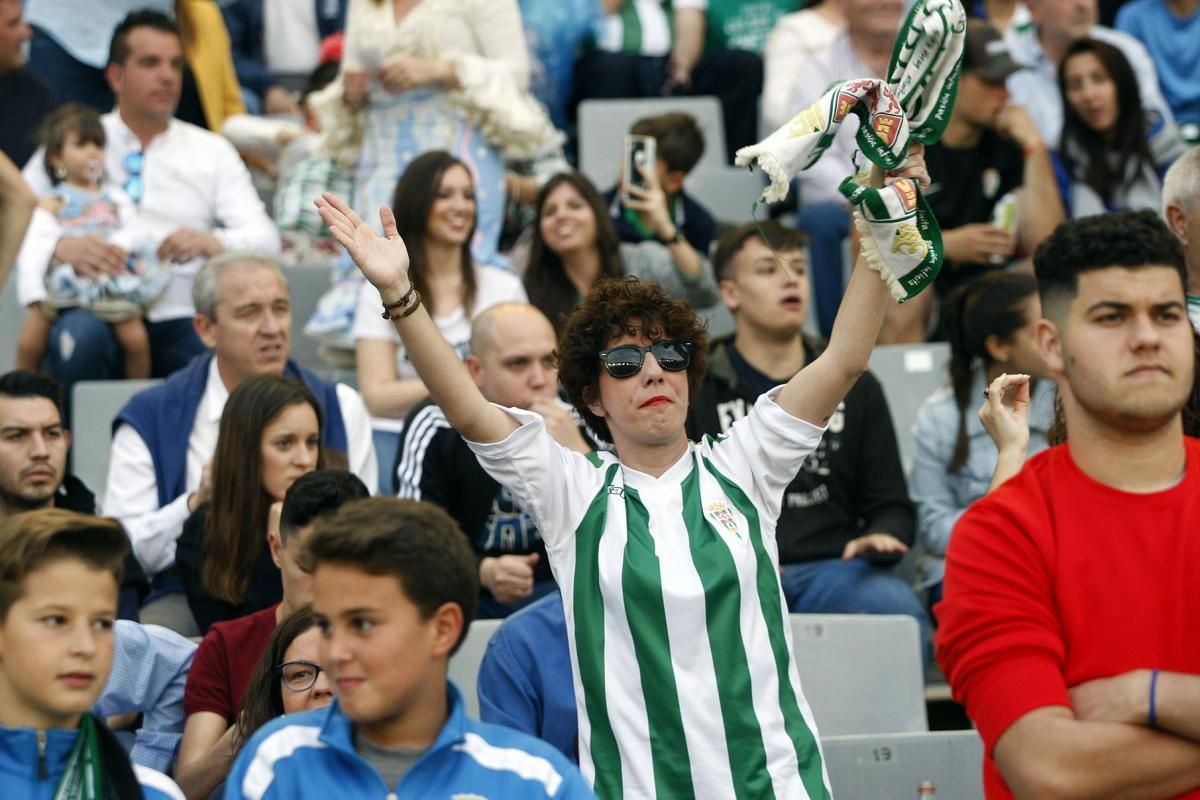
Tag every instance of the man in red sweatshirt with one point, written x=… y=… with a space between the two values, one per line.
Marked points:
x=1069 y=624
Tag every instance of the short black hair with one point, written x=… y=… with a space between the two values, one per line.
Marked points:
x=28 y=383
x=317 y=494
x=417 y=543
x=118 y=48
x=777 y=236
x=1130 y=239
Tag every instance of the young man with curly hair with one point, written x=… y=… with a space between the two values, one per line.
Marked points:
x=665 y=551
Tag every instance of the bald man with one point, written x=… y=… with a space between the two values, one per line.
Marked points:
x=512 y=362
x=1181 y=210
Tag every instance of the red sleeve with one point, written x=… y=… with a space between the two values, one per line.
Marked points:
x=208 y=683
x=999 y=641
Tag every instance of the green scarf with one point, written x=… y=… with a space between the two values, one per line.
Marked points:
x=914 y=103
x=83 y=778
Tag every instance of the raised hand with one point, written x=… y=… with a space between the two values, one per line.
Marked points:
x=383 y=260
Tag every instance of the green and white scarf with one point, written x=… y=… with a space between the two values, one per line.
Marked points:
x=913 y=103
x=83 y=778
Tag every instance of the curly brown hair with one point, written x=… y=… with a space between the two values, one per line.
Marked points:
x=612 y=308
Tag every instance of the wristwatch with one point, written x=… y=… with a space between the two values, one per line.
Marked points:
x=676 y=239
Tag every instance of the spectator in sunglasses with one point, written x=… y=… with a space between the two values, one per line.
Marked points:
x=665 y=550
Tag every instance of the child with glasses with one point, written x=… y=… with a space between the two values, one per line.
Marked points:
x=665 y=550
x=59 y=573
x=288 y=678
x=82 y=204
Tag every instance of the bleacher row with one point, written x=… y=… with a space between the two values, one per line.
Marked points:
x=862 y=677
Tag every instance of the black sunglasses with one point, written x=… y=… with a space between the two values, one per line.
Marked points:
x=626 y=361
x=298 y=676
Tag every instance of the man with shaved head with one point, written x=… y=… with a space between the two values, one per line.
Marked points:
x=512 y=361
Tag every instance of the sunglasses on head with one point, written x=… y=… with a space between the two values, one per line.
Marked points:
x=626 y=361
x=134 y=186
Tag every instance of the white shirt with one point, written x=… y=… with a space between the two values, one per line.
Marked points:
x=839 y=62
x=131 y=494
x=291 y=40
x=493 y=286
x=675 y=576
x=1036 y=88
x=193 y=179
x=795 y=39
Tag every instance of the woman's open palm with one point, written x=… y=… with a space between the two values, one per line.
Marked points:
x=383 y=260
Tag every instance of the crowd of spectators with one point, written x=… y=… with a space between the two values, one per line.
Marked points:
x=158 y=166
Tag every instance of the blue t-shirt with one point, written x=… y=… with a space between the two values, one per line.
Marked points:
x=1174 y=45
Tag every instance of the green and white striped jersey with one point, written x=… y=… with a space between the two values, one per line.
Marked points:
x=679 y=639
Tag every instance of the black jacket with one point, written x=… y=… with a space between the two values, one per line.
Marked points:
x=73 y=495
x=852 y=483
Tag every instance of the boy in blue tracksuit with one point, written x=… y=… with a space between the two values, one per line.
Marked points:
x=59 y=573
x=394 y=589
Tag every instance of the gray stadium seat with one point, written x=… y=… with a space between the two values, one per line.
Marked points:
x=909 y=374
x=891 y=765
x=604 y=123
x=11 y=315
x=464 y=665
x=95 y=405
x=305 y=287
x=727 y=192
x=861 y=673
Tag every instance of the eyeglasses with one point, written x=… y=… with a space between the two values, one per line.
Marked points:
x=298 y=676
x=134 y=186
x=626 y=361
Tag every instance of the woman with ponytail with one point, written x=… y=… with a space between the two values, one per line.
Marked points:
x=990 y=325
x=59 y=573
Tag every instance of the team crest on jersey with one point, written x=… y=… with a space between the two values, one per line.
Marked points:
x=721 y=513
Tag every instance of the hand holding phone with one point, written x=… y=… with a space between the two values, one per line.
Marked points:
x=639 y=154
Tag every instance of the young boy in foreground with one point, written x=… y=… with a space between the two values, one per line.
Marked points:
x=59 y=573
x=394 y=590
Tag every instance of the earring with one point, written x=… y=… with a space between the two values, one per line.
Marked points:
x=60 y=171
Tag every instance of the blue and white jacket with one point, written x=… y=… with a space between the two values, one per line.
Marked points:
x=31 y=763
x=312 y=755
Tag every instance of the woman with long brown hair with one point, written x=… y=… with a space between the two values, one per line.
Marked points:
x=435 y=206
x=575 y=246
x=289 y=677
x=270 y=435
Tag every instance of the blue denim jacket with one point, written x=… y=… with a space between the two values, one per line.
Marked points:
x=940 y=497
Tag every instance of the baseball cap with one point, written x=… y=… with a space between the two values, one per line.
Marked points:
x=986 y=54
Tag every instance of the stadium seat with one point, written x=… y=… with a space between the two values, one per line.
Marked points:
x=305 y=287
x=909 y=374
x=604 y=123
x=888 y=766
x=861 y=673
x=11 y=315
x=727 y=192
x=464 y=665
x=96 y=404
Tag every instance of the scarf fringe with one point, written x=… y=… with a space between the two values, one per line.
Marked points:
x=875 y=259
